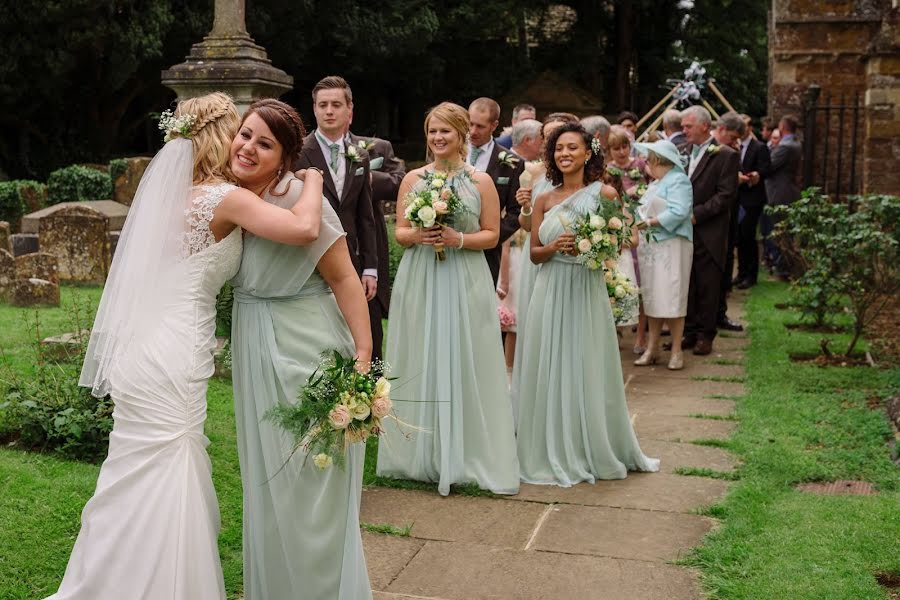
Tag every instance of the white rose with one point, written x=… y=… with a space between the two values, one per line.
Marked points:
x=596 y=237
x=608 y=276
x=382 y=387
x=322 y=461
x=362 y=144
x=597 y=221
x=427 y=215
x=437 y=183
x=620 y=291
x=360 y=412
x=584 y=246
x=615 y=223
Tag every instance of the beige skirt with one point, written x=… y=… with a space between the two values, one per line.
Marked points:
x=665 y=276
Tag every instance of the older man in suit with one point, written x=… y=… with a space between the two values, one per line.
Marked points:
x=503 y=167
x=671 y=123
x=751 y=201
x=386 y=171
x=713 y=168
x=346 y=168
x=782 y=186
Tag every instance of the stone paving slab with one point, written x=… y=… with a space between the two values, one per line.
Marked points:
x=675 y=454
x=620 y=532
x=681 y=429
x=673 y=405
x=647 y=491
x=459 y=571
x=683 y=387
x=387 y=555
x=454 y=518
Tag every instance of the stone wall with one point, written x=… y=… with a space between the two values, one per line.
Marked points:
x=850 y=49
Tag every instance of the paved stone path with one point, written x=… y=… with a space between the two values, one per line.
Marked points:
x=613 y=540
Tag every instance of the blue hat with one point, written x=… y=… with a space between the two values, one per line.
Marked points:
x=663 y=148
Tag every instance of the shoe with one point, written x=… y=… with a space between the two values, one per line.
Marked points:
x=688 y=342
x=737 y=280
x=703 y=347
x=745 y=284
x=676 y=361
x=647 y=358
x=638 y=350
x=729 y=325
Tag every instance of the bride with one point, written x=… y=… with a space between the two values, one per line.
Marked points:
x=150 y=530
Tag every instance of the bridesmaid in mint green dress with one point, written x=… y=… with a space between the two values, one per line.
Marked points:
x=443 y=346
x=301 y=525
x=573 y=421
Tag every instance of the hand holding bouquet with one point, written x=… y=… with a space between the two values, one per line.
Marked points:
x=338 y=406
x=599 y=235
x=435 y=203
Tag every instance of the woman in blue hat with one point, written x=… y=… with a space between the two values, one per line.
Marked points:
x=665 y=259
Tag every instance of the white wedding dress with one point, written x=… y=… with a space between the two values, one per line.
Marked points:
x=150 y=530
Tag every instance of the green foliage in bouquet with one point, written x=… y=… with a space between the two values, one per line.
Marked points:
x=338 y=406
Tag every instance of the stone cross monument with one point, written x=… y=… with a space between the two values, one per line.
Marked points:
x=228 y=60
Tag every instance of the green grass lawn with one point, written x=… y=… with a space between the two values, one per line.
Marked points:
x=797 y=423
x=802 y=423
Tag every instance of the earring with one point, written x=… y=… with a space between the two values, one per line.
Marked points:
x=587 y=160
x=280 y=169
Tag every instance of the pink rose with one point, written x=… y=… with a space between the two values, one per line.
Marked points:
x=340 y=417
x=445 y=194
x=440 y=207
x=381 y=407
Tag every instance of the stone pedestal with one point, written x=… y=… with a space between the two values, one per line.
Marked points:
x=228 y=60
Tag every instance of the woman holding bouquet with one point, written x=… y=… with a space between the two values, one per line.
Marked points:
x=573 y=422
x=301 y=524
x=443 y=346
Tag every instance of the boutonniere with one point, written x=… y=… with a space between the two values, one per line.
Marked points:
x=508 y=159
x=712 y=149
x=614 y=171
x=635 y=173
x=366 y=144
x=353 y=153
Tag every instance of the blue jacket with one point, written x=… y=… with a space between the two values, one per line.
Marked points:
x=675 y=188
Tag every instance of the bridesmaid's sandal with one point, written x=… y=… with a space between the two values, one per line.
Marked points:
x=649 y=357
x=676 y=361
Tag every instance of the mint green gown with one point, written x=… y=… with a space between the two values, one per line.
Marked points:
x=524 y=287
x=573 y=421
x=301 y=524
x=444 y=349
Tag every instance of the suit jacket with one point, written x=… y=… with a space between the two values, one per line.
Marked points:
x=506 y=180
x=354 y=207
x=714 y=184
x=387 y=172
x=756 y=158
x=782 y=186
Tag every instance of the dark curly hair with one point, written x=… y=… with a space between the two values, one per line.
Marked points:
x=593 y=169
x=286 y=126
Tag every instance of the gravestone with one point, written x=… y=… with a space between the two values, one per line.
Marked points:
x=126 y=184
x=24 y=243
x=34 y=292
x=5 y=237
x=79 y=238
x=38 y=265
x=115 y=212
x=7 y=273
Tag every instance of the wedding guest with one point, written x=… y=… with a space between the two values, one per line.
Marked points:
x=347 y=182
x=782 y=185
x=713 y=168
x=527 y=141
x=665 y=258
x=386 y=171
x=628 y=120
x=767 y=126
x=672 y=127
x=774 y=138
x=290 y=305
x=520 y=113
x=445 y=351
x=573 y=422
x=730 y=128
x=751 y=201
x=501 y=165
x=598 y=127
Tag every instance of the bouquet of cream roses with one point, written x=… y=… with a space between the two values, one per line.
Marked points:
x=623 y=294
x=435 y=203
x=599 y=235
x=338 y=406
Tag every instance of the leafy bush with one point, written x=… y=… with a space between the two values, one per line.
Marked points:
x=48 y=411
x=850 y=252
x=78 y=182
x=117 y=166
x=18 y=198
x=224 y=302
x=395 y=251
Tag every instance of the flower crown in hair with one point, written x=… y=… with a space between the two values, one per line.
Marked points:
x=176 y=126
x=596 y=146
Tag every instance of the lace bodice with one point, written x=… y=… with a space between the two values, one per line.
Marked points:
x=199 y=236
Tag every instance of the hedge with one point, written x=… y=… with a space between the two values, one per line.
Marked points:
x=78 y=182
x=18 y=198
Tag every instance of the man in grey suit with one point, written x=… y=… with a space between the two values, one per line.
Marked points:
x=782 y=186
x=672 y=127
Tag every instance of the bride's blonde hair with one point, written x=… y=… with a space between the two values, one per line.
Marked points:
x=457 y=118
x=216 y=122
